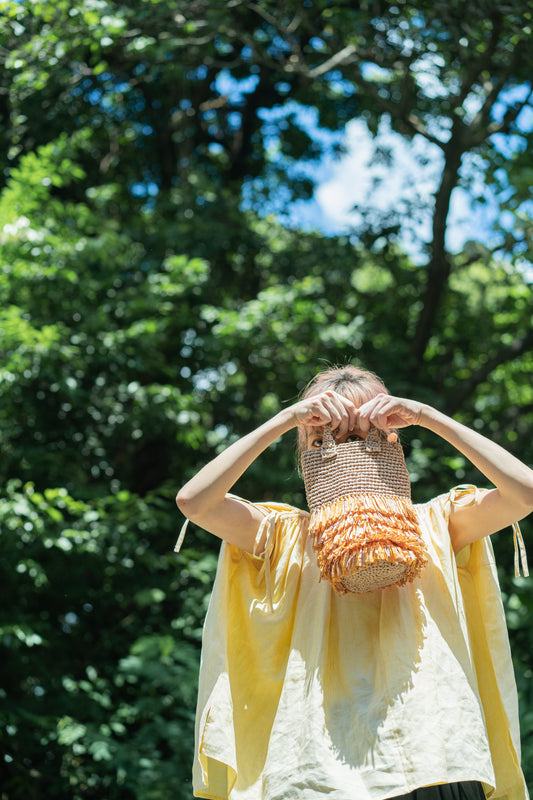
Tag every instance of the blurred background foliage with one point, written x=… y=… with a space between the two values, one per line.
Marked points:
x=154 y=306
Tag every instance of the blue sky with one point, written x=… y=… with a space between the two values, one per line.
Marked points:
x=386 y=173
x=403 y=181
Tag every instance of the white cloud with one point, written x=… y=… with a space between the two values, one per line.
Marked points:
x=390 y=175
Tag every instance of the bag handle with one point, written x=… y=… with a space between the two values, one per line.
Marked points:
x=329 y=446
x=328 y=449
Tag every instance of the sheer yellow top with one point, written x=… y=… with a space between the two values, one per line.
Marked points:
x=305 y=694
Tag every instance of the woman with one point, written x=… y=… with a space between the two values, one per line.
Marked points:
x=404 y=692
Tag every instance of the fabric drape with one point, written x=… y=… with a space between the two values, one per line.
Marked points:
x=304 y=693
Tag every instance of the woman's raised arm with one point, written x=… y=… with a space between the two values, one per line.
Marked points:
x=510 y=501
x=204 y=498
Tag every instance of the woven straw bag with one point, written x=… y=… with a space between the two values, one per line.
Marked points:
x=363 y=524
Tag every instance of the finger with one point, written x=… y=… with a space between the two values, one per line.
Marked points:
x=367 y=410
x=337 y=413
x=361 y=422
x=391 y=413
x=316 y=417
x=316 y=411
x=381 y=414
x=343 y=411
x=329 y=408
x=351 y=412
x=347 y=412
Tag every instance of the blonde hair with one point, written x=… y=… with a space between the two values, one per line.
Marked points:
x=356 y=383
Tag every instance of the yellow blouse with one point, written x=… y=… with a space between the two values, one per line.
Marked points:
x=305 y=694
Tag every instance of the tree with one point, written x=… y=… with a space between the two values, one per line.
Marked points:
x=150 y=316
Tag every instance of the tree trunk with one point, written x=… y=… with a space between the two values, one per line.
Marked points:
x=438 y=268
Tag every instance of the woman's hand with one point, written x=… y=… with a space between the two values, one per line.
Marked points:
x=342 y=415
x=326 y=408
x=387 y=412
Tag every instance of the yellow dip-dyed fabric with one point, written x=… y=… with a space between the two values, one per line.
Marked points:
x=306 y=694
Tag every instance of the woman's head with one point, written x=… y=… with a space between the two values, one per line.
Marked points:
x=359 y=385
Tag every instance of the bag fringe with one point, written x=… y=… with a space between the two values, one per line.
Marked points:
x=360 y=530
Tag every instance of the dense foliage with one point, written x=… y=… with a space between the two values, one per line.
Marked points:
x=153 y=307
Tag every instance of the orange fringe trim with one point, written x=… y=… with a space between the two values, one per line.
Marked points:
x=360 y=530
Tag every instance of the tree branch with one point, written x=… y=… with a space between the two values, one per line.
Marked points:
x=288 y=30
x=341 y=57
x=463 y=391
x=476 y=129
x=483 y=62
x=410 y=120
x=511 y=115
